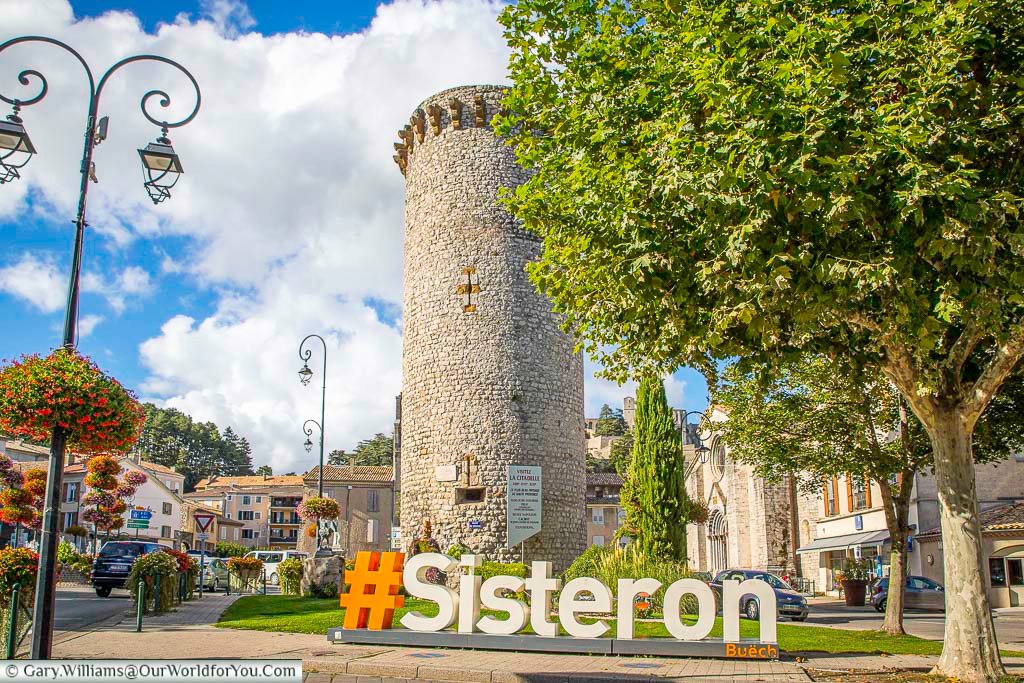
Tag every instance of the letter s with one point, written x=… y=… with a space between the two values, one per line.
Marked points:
x=416 y=585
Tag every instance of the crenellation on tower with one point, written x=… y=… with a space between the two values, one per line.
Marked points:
x=489 y=378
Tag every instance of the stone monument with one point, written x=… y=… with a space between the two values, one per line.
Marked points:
x=489 y=379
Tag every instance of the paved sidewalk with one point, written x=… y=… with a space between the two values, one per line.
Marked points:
x=187 y=633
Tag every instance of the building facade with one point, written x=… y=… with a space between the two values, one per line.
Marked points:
x=264 y=504
x=604 y=513
x=221 y=528
x=160 y=496
x=489 y=379
x=366 y=500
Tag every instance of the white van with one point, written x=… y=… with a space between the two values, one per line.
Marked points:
x=271 y=558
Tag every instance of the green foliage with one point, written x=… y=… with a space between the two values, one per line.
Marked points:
x=146 y=569
x=290 y=572
x=610 y=422
x=376 y=451
x=457 y=550
x=17 y=565
x=197 y=450
x=654 y=492
x=266 y=470
x=68 y=556
x=608 y=564
x=488 y=569
x=622 y=453
x=226 y=549
x=322 y=591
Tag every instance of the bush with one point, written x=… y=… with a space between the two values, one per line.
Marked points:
x=290 y=573
x=224 y=549
x=488 y=569
x=237 y=565
x=77 y=531
x=146 y=569
x=609 y=564
x=458 y=550
x=17 y=565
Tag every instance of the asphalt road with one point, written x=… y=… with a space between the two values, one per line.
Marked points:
x=833 y=613
x=77 y=608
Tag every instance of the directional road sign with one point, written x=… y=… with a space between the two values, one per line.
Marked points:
x=141 y=514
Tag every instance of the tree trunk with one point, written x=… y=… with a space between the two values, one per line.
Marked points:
x=897 y=514
x=970 y=651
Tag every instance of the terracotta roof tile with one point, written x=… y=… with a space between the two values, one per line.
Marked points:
x=372 y=473
x=603 y=479
x=250 y=480
x=1009 y=517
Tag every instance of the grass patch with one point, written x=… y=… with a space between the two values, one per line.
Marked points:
x=308 y=615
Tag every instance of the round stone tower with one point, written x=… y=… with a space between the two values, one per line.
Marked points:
x=489 y=380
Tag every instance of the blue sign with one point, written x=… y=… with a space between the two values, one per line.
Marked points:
x=141 y=514
x=475 y=524
x=858 y=522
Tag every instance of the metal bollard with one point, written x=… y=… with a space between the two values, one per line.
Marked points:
x=142 y=605
x=11 y=622
x=202 y=575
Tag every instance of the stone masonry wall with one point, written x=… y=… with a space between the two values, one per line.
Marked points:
x=486 y=372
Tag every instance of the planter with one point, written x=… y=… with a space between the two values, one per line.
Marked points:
x=855 y=591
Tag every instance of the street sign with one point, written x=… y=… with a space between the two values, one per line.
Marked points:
x=138 y=523
x=202 y=537
x=203 y=520
x=141 y=514
x=524 y=503
x=475 y=524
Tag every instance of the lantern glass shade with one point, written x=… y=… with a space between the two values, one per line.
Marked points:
x=305 y=374
x=308 y=445
x=703 y=452
x=161 y=169
x=15 y=149
x=14 y=138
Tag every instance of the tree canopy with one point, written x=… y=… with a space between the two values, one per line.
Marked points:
x=766 y=178
x=196 y=449
x=610 y=422
x=375 y=451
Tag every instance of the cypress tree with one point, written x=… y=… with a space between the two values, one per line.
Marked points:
x=654 y=492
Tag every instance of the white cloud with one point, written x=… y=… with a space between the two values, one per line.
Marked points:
x=132 y=282
x=291 y=206
x=35 y=280
x=231 y=17
x=88 y=323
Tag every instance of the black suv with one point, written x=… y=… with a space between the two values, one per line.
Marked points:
x=114 y=563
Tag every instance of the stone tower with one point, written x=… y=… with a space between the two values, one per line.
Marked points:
x=489 y=380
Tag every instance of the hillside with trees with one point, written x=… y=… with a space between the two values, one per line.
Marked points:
x=196 y=449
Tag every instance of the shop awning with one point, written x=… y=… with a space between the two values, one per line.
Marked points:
x=861 y=538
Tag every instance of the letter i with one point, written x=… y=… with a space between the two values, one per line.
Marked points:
x=469 y=594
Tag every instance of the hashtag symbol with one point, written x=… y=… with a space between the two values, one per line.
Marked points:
x=373 y=590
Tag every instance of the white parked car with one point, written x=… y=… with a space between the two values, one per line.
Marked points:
x=271 y=558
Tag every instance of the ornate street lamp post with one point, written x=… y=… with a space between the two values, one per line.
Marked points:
x=702 y=451
x=161 y=169
x=305 y=375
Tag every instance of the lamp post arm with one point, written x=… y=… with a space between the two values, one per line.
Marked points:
x=305 y=354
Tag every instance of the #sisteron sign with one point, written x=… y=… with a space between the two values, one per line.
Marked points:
x=377 y=577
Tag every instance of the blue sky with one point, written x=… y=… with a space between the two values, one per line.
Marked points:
x=288 y=219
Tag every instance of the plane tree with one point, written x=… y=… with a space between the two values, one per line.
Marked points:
x=766 y=178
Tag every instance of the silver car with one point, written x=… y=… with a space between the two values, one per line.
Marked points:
x=921 y=593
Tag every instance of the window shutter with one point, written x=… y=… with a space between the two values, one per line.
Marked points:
x=849 y=492
x=824 y=494
x=867 y=490
x=835 y=495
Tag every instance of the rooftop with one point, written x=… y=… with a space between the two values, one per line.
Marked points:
x=368 y=473
x=603 y=479
x=250 y=480
x=23 y=447
x=1009 y=517
x=79 y=466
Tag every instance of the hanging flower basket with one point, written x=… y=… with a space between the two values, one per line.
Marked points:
x=68 y=390
x=317 y=509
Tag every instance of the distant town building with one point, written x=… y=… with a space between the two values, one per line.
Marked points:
x=264 y=504
x=604 y=513
x=365 y=497
x=160 y=495
x=221 y=528
x=20 y=451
